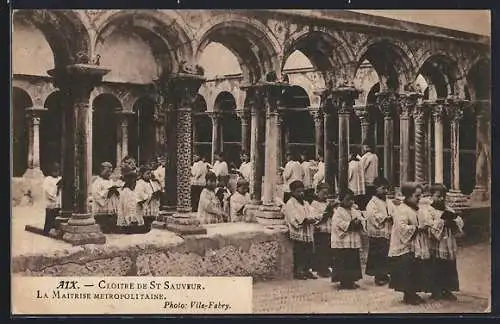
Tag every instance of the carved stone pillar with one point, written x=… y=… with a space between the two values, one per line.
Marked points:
x=407 y=103
x=438 y=114
x=159 y=125
x=455 y=110
x=279 y=134
x=216 y=133
x=343 y=100
x=122 y=134
x=244 y=116
x=362 y=112
x=387 y=103
x=318 y=130
x=328 y=113
x=182 y=91
x=170 y=196
x=483 y=156
x=76 y=83
x=419 y=114
x=33 y=115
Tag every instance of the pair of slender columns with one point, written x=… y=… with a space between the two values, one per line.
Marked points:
x=34 y=114
x=217 y=138
x=122 y=134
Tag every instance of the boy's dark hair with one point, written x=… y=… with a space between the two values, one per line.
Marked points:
x=210 y=176
x=346 y=193
x=381 y=182
x=408 y=188
x=296 y=184
x=438 y=187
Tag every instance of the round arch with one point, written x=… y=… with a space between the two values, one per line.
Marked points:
x=392 y=60
x=141 y=131
x=162 y=31
x=479 y=79
x=231 y=126
x=440 y=71
x=20 y=101
x=202 y=128
x=64 y=31
x=249 y=40
x=327 y=51
x=104 y=130
x=51 y=131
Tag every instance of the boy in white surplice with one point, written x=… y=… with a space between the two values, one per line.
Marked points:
x=52 y=195
x=105 y=192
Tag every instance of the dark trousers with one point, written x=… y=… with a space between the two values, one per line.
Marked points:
x=377 y=264
x=50 y=218
x=445 y=275
x=195 y=197
x=322 y=253
x=302 y=255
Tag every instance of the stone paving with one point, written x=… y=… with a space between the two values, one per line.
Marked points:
x=321 y=296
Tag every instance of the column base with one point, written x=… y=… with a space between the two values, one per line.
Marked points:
x=185 y=224
x=250 y=211
x=480 y=194
x=456 y=199
x=162 y=219
x=81 y=229
x=269 y=215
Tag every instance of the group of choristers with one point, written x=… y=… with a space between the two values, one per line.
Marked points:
x=412 y=243
x=123 y=203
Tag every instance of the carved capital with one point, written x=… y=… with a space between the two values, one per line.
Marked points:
x=216 y=116
x=363 y=113
x=78 y=80
x=455 y=108
x=343 y=98
x=387 y=102
x=407 y=103
x=317 y=115
x=419 y=113
x=266 y=94
x=438 y=109
x=243 y=115
x=182 y=89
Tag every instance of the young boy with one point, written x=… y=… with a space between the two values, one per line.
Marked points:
x=129 y=217
x=223 y=193
x=300 y=220
x=323 y=208
x=52 y=185
x=347 y=224
x=209 y=208
x=446 y=225
x=238 y=201
x=379 y=212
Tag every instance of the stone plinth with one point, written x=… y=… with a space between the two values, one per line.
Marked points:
x=456 y=199
x=184 y=224
x=250 y=213
x=269 y=215
x=230 y=249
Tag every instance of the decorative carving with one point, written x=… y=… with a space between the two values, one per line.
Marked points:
x=183 y=89
x=387 y=102
x=93 y=16
x=243 y=115
x=97 y=60
x=317 y=115
x=363 y=114
x=82 y=58
x=419 y=113
x=438 y=110
x=190 y=68
x=455 y=108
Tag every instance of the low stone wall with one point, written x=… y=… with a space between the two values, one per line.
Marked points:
x=226 y=250
x=26 y=191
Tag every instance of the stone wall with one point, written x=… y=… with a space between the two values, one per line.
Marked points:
x=227 y=250
x=26 y=192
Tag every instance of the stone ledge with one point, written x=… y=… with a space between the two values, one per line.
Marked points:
x=236 y=249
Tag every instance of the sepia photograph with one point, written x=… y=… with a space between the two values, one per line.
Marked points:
x=250 y=161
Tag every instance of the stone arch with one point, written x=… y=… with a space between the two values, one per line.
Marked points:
x=65 y=32
x=104 y=129
x=142 y=134
x=224 y=86
x=327 y=51
x=164 y=32
x=478 y=78
x=248 y=39
x=21 y=100
x=51 y=130
x=306 y=84
x=440 y=69
x=392 y=59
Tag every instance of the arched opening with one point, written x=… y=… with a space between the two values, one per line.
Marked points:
x=104 y=130
x=231 y=127
x=436 y=80
x=51 y=131
x=392 y=67
x=20 y=100
x=298 y=126
x=202 y=129
x=247 y=42
x=142 y=136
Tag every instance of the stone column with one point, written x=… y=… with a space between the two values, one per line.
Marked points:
x=255 y=147
x=405 y=107
x=33 y=115
x=122 y=135
x=455 y=109
x=362 y=112
x=159 y=125
x=244 y=116
x=280 y=151
x=387 y=102
x=269 y=213
x=183 y=89
x=76 y=83
x=343 y=98
x=483 y=156
x=170 y=196
x=330 y=169
x=216 y=134
x=318 y=130
x=437 y=114
x=419 y=114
